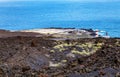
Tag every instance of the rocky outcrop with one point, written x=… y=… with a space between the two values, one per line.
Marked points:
x=44 y=57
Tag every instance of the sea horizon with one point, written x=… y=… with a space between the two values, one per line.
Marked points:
x=24 y=15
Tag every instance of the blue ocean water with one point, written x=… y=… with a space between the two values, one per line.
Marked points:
x=30 y=15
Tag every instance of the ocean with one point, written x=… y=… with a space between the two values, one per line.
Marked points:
x=104 y=16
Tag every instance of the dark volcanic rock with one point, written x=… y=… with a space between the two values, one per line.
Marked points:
x=42 y=57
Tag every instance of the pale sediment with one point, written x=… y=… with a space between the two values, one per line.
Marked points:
x=66 y=33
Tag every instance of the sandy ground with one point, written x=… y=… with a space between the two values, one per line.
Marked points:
x=64 y=33
x=47 y=31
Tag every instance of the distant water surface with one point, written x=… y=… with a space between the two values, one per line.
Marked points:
x=29 y=15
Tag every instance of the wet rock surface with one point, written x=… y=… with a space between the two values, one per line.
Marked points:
x=43 y=57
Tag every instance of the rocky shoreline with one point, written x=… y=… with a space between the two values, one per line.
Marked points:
x=70 y=33
x=28 y=54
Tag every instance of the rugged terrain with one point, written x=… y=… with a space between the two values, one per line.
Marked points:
x=44 y=56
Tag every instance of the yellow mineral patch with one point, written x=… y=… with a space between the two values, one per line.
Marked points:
x=89 y=45
x=51 y=64
x=117 y=43
x=64 y=61
x=61 y=49
x=87 y=48
x=81 y=53
x=52 y=51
